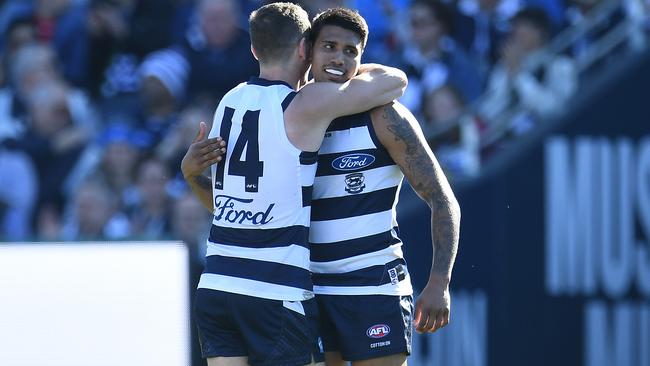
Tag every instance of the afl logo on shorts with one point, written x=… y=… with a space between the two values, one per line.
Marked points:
x=378 y=331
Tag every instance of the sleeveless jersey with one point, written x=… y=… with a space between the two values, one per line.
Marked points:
x=259 y=244
x=355 y=248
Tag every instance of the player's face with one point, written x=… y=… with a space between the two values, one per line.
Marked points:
x=336 y=54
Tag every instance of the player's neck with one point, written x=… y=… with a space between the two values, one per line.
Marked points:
x=282 y=73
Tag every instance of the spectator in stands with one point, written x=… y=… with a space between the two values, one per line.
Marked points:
x=58 y=23
x=217 y=49
x=479 y=28
x=33 y=69
x=453 y=132
x=32 y=65
x=133 y=132
x=44 y=16
x=136 y=131
x=163 y=76
x=528 y=77
x=53 y=141
x=90 y=40
x=19 y=32
x=93 y=215
x=431 y=58
x=190 y=224
x=102 y=42
x=385 y=19
x=150 y=216
x=502 y=10
x=122 y=148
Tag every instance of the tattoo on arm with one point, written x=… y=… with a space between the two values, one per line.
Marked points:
x=415 y=157
x=428 y=180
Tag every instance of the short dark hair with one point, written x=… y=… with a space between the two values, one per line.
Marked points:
x=341 y=17
x=276 y=29
x=536 y=17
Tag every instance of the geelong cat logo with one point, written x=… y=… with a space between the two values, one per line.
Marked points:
x=352 y=161
x=378 y=331
x=354 y=182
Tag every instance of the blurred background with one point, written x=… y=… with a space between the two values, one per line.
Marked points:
x=538 y=111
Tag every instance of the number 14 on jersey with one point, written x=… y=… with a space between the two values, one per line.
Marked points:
x=251 y=168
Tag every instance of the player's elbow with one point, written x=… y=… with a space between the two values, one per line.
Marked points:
x=401 y=81
x=396 y=85
x=390 y=78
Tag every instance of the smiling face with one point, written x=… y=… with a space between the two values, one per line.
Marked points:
x=336 y=54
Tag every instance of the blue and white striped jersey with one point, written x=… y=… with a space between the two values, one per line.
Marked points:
x=355 y=249
x=258 y=243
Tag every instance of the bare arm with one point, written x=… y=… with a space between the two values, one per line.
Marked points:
x=375 y=85
x=201 y=154
x=401 y=135
x=202 y=188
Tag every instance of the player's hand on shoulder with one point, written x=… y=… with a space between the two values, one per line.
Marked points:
x=202 y=153
x=432 y=307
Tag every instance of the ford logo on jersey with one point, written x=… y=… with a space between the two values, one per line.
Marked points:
x=378 y=331
x=225 y=208
x=352 y=161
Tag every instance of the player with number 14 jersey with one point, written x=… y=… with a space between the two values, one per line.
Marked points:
x=258 y=244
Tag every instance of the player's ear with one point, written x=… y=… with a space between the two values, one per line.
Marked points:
x=254 y=53
x=304 y=49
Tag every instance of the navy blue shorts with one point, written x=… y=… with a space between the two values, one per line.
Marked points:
x=269 y=332
x=363 y=327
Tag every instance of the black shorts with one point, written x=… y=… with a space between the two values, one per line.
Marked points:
x=268 y=332
x=363 y=327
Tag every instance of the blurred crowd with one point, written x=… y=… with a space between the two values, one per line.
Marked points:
x=99 y=99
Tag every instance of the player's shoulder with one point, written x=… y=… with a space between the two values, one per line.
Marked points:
x=248 y=91
x=313 y=103
x=236 y=90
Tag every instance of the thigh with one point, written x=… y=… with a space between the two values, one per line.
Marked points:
x=366 y=327
x=392 y=360
x=228 y=361
x=317 y=363
x=334 y=358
